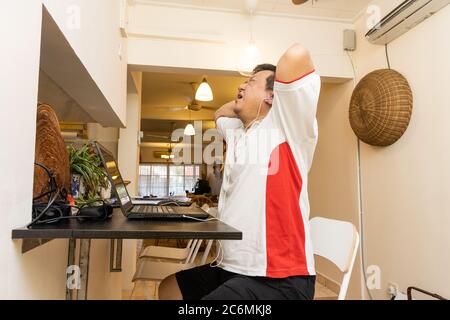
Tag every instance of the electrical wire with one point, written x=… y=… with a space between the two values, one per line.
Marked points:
x=387 y=55
x=360 y=201
x=256 y=118
x=44 y=211
x=200 y=220
x=220 y=250
x=219 y=253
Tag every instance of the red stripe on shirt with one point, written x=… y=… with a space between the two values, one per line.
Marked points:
x=285 y=232
x=299 y=78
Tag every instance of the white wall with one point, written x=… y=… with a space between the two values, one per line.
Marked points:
x=128 y=161
x=193 y=38
x=107 y=136
x=40 y=274
x=97 y=43
x=406 y=186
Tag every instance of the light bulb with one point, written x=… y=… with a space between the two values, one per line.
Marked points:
x=189 y=130
x=249 y=60
x=204 y=92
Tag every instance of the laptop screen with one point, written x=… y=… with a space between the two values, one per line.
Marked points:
x=115 y=177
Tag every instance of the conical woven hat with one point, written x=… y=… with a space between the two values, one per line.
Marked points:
x=381 y=107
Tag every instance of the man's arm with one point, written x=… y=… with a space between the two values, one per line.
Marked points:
x=294 y=63
x=227 y=111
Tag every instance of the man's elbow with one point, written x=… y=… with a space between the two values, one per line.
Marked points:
x=296 y=61
x=298 y=55
x=217 y=115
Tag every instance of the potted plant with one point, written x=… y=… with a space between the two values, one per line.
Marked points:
x=88 y=176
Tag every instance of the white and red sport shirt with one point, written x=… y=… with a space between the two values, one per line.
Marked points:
x=264 y=191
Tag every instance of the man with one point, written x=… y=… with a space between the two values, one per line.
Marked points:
x=215 y=180
x=266 y=199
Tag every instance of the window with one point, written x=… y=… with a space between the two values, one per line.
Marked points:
x=162 y=180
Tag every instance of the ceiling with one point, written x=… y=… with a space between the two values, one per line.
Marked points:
x=161 y=91
x=324 y=9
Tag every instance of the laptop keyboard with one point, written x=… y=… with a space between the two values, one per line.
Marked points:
x=154 y=212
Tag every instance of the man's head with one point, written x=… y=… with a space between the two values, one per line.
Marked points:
x=256 y=92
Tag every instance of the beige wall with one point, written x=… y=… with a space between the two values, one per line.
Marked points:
x=406 y=186
x=333 y=176
x=214 y=40
x=107 y=136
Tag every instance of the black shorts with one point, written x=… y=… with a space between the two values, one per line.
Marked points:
x=214 y=283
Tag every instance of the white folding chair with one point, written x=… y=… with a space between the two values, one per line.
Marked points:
x=156 y=271
x=148 y=269
x=168 y=253
x=338 y=242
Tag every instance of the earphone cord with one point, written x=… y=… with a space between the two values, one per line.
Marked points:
x=257 y=116
x=219 y=253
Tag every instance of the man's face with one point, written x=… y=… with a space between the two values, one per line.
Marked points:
x=251 y=93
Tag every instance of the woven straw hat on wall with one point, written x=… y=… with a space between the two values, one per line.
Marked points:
x=381 y=107
x=50 y=151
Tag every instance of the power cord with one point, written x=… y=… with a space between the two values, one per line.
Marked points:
x=360 y=202
x=45 y=210
x=220 y=251
x=201 y=220
x=387 y=55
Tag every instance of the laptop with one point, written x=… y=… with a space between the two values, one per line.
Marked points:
x=142 y=211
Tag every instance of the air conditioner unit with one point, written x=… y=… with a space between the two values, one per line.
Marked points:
x=403 y=18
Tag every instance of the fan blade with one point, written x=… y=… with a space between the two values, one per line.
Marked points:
x=299 y=1
x=156 y=136
x=209 y=108
x=170 y=108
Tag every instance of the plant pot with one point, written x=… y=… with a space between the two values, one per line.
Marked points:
x=77 y=186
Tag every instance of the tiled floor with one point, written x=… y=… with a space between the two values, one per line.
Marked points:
x=147 y=290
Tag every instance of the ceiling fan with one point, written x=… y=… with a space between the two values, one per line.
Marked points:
x=299 y=1
x=192 y=106
x=162 y=137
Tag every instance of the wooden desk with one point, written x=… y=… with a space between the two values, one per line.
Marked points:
x=116 y=229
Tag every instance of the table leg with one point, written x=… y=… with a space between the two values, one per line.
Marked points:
x=70 y=263
x=115 y=255
x=85 y=245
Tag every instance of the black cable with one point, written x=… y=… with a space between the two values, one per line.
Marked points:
x=41 y=214
x=78 y=216
x=387 y=56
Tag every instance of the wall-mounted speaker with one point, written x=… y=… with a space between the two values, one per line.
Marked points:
x=349 y=40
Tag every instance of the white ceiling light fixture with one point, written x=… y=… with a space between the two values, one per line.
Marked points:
x=251 y=55
x=189 y=130
x=204 y=92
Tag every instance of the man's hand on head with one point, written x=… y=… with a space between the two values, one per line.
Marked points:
x=227 y=111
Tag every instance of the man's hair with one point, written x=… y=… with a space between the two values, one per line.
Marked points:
x=267 y=67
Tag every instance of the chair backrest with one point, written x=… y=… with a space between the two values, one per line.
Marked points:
x=193 y=250
x=213 y=211
x=338 y=242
